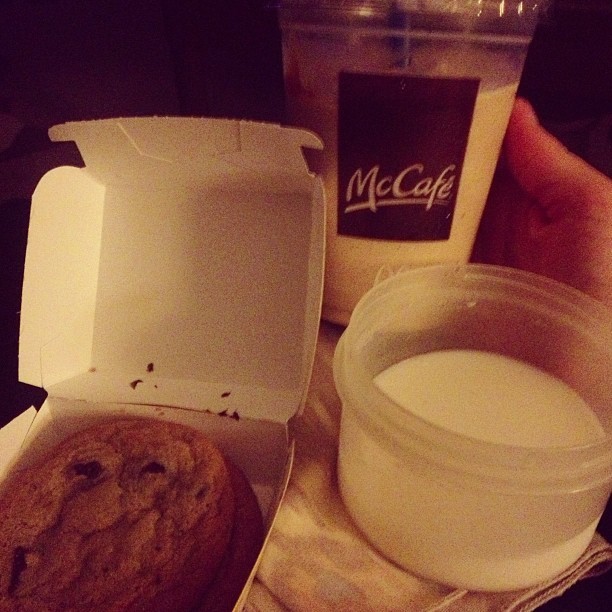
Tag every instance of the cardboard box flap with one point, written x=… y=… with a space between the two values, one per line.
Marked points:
x=182 y=267
x=162 y=151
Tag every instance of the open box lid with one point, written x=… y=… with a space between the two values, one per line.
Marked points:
x=182 y=266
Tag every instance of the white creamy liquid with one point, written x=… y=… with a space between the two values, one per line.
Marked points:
x=491 y=397
x=437 y=523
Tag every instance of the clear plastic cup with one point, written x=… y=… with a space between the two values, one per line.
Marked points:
x=412 y=99
x=496 y=500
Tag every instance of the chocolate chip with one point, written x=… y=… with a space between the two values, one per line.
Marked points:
x=19 y=565
x=91 y=470
x=202 y=492
x=153 y=468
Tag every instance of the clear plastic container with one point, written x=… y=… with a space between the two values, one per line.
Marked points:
x=435 y=83
x=458 y=507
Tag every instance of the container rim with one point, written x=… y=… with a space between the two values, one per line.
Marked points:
x=500 y=8
x=507 y=467
x=509 y=15
x=412 y=34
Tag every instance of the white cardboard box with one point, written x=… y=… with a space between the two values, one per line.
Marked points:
x=178 y=274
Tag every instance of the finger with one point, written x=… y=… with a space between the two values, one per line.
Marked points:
x=550 y=174
x=498 y=229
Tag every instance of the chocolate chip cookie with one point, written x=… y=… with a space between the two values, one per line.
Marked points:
x=130 y=514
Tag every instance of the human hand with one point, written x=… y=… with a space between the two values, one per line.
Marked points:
x=548 y=211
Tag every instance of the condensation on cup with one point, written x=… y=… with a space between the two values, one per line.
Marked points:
x=412 y=100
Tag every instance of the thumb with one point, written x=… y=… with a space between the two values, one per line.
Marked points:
x=546 y=171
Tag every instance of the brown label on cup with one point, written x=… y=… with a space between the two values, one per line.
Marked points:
x=401 y=145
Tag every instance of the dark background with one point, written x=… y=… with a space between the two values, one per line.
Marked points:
x=63 y=60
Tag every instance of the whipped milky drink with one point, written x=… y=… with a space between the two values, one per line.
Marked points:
x=412 y=126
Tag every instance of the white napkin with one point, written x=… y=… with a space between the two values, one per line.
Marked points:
x=596 y=560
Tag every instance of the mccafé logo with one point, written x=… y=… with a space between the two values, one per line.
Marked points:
x=401 y=147
x=409 y=187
